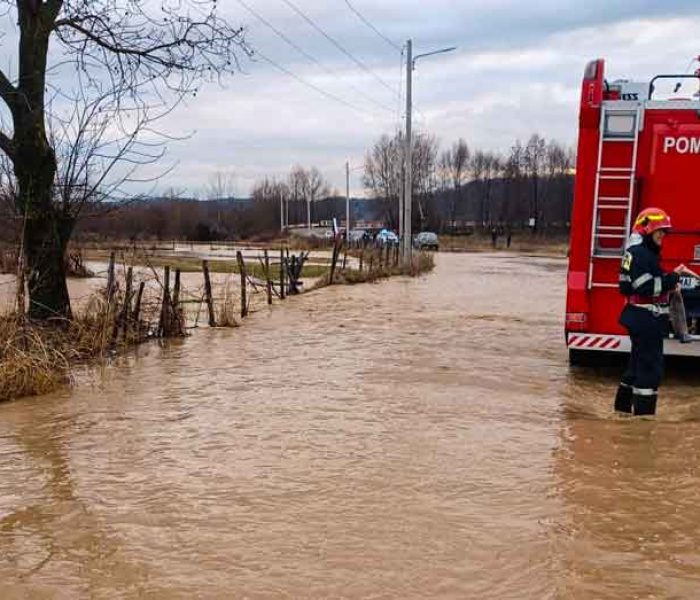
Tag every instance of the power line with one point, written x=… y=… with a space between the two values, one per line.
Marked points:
x=311 y=85
x=307 y=55
x=347 y=53
x=367 y=22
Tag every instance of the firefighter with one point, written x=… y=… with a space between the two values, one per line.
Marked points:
x=645 y=315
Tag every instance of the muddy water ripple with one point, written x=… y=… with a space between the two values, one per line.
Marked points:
x=411 y=439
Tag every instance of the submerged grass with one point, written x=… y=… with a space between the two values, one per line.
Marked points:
x=194 y=264
x=422 y=263
x=36 y=357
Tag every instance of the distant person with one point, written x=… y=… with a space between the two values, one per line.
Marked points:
x=494 y=237
x=509 y=237
x=646 y=313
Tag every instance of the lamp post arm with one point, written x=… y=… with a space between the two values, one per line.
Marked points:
x=442 y=51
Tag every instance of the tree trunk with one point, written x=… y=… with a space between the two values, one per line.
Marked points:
x=48 y=225
x=47 y=228
x=45 y=241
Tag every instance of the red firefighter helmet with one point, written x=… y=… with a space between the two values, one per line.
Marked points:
x=650 y=220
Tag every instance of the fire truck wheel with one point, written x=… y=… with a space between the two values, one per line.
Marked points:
x=584 y=358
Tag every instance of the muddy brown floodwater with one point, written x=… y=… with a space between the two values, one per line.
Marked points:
x=411 y=439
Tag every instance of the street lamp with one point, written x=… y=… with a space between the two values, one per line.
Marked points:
x=405 y=207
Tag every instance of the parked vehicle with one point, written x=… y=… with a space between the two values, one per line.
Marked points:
x=426 y=240
x=357 y=235
x=386 y=237
x=635 y=150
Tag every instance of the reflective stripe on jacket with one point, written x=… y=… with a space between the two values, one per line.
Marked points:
x=641 y=279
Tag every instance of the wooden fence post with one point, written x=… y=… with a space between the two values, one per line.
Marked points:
x=334 y=260
x=268 y=280
x=110 y=277
x=207 y=294
x=244 y=295
x=137 y=308
x=126 y=310
x=282 y=278
x=163 y=324
x=21 y=292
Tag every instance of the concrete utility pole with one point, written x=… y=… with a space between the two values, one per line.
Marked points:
x=308 y=214
x=402 y=187
x=408 y=181
x=407 y=238
x=347 y=202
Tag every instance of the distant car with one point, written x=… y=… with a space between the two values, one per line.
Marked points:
x=329 y=234
x=386 y=238
x=357 y=235
x=426 y=240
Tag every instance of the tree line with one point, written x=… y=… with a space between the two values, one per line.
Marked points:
x=460 y=187
x=456 y=190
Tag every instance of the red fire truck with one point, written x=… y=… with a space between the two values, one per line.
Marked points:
x=637 y=148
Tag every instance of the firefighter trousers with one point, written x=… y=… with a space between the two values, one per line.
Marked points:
x=646 y=365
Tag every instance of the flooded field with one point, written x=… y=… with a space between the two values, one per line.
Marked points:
x=411 y=439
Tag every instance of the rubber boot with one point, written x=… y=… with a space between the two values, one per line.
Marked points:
x=644 y=405
x=623 y=398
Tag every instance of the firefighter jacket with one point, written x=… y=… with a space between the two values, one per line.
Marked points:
x=641 y=279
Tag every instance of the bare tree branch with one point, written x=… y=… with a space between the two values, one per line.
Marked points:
x=7 y=145
x=8 y=92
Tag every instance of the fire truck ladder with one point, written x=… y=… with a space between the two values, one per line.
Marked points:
x=614 y=186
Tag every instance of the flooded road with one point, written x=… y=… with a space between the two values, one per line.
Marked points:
x=411 y=439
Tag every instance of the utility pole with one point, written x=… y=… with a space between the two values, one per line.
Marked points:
x=408 y=182
x=402 y=187
x=347 y=202
x=281 y=212
x=308 y=214
x=407 y=239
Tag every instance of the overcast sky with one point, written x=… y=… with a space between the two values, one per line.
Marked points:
x=517 y=71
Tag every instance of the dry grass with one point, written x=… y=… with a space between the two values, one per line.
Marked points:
x=422 y=263
x=36 y=357
x=227 y=308
x=8 y=260
x=522 y=243
x=30 y=363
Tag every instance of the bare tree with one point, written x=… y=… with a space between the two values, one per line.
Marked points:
x=144 y=57
x=534 y=157
x=298 y=184
x=558 y=194
x=484 y=168
x=316 y=188
x=424 y=161
x=268 y=195
x=384 y=173
x=513 y=178
x=455 y=162
x=222 y=186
